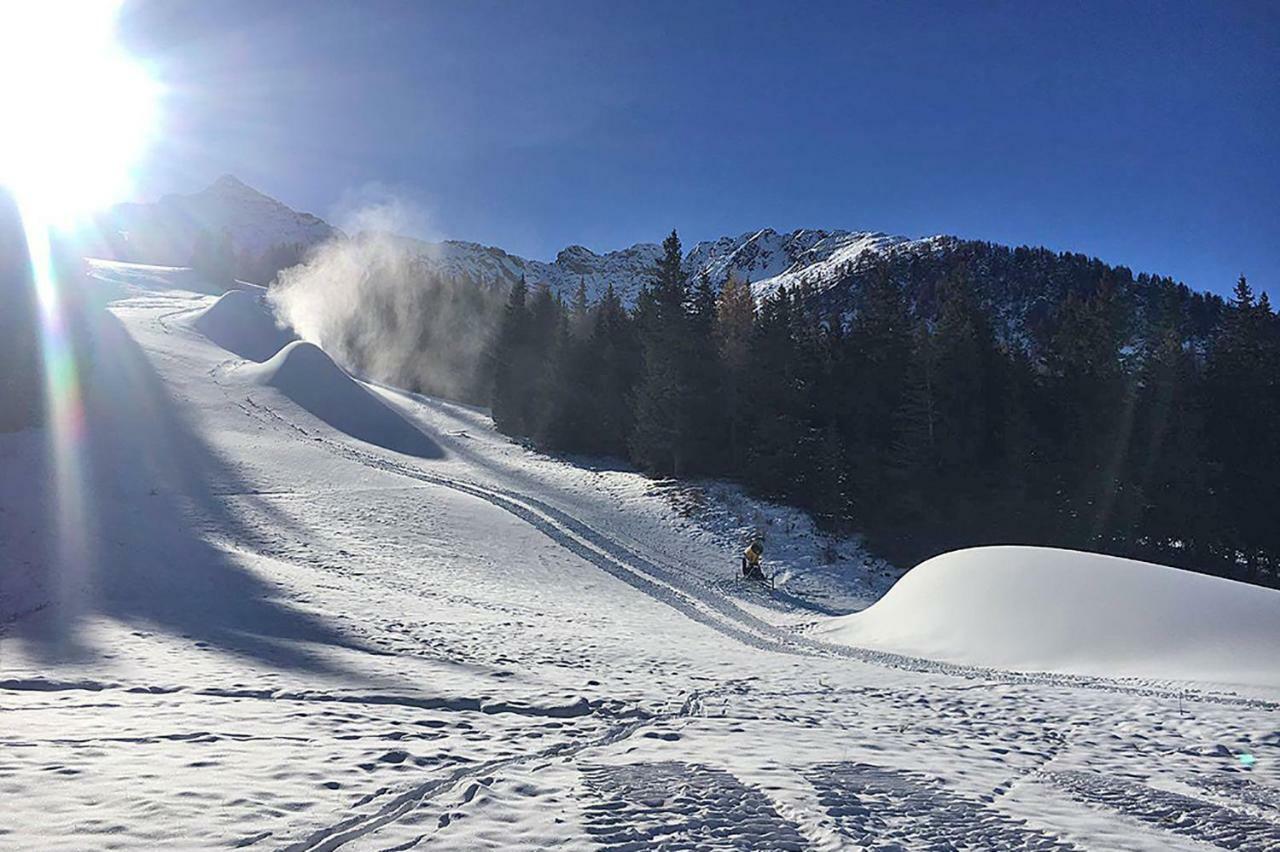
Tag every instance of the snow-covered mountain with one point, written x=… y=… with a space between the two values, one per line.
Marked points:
x=765 y=258
x=769 y=259
x=626 y=270
x=165 y=231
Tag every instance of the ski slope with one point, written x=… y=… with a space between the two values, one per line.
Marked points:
x=237 y=612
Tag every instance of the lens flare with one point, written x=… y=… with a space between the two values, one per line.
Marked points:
x=79 y=113
x=79 y=110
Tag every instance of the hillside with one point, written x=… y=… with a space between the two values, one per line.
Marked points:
x=269 y=604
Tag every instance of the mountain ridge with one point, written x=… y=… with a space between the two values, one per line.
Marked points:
x=164 y=231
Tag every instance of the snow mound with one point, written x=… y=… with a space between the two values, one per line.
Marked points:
x=309 y=377
x=1042 y=609
x=240 y=322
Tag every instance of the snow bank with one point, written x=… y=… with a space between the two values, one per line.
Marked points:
x=242 y=323
x=1041 y=609
x=305 y=374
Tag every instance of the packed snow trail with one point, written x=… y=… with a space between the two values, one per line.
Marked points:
x=695 y=598
x=287 y=638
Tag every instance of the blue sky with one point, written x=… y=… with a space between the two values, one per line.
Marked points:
x=1144 y=133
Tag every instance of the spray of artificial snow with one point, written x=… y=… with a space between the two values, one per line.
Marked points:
x=374 y=303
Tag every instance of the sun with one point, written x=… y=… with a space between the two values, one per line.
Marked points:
x=79 y=111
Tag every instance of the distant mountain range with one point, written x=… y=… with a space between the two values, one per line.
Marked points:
x=164 y=232
x=1022 y=288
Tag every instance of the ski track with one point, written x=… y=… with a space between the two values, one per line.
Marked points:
x=702 y=602
x=1223 y=827
x=910 y=807
x=672 y=805
x=333 y=836
x=880 y=806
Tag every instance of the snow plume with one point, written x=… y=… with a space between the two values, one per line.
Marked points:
x=375 y=303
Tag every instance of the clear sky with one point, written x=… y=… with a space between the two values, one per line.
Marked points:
x=1144 y=133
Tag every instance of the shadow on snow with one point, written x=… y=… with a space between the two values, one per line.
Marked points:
x=153 y=493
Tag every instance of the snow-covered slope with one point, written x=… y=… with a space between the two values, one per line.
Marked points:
x=240 y=322
x=229 y=618
x=770 y=260
x=1040 y=608
x=307 y=376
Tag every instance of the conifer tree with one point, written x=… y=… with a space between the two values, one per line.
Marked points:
x=776 y=443
x=580 y=311
x=735 y=317
x=706 y=420
x=660 y=439
x=1167 y=465
x=1243 y=405
x=1087 y=419
x=213 y=256
x=614 y=355
x=510 y=379
x=876 y=360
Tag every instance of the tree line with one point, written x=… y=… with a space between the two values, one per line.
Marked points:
x=216 y=258
x=979 y=395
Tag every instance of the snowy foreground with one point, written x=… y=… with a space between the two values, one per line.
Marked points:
x=264 y=604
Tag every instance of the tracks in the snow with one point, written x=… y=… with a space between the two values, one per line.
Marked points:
x=700 y=601
x=678 y=588
x=1188 y=816
x=356 y=826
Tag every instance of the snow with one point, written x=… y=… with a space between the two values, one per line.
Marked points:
x=626 y=270
x=770 y=260
x=302 y=372
x=226 y=621
x=1035 y=608
x=166 y=231
x=240 y=321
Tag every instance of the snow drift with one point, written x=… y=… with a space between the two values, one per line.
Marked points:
x=242 y=323
x=306 y=375
x=1035 y=608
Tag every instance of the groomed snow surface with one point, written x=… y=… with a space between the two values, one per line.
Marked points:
x=306 y=375
x=241 y=323
x=256 y=602
x=1033 y=608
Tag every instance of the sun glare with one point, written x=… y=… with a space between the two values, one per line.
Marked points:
x=78 y=110
x=78 y=115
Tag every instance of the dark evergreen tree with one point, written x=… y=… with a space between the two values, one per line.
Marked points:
x=706 y=422
x=1179 y=519
x=511 y=380
x=735 y=320
x=875 y=360
x=613 y=352
x=1088 y=417
x=777 y=431
x=214 y=258
x=662 y=439
x=1243 y=405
